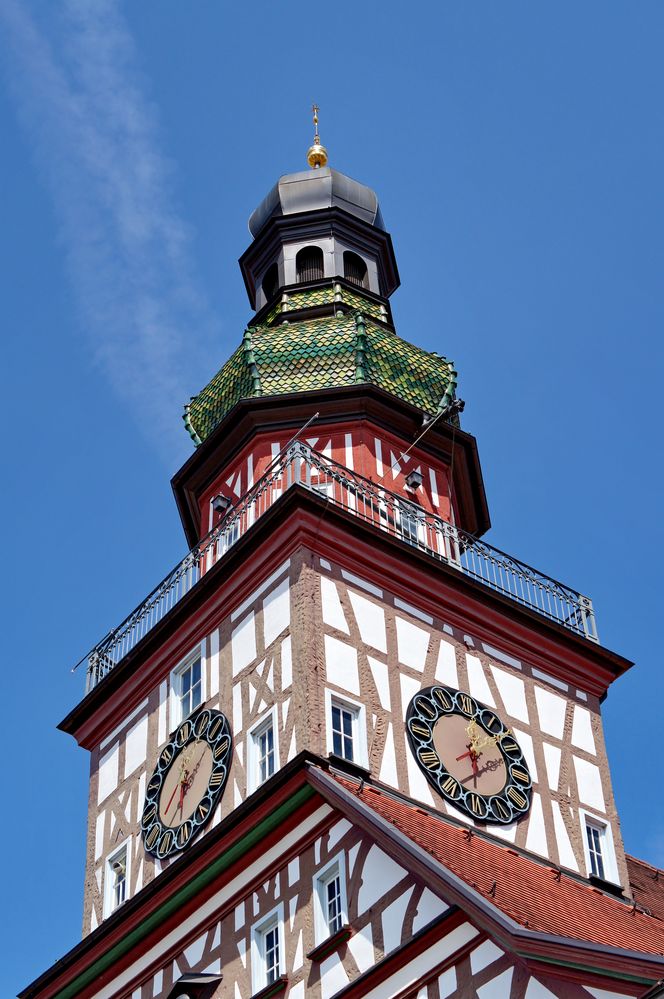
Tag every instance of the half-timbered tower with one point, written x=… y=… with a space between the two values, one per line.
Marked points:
x=348 y=748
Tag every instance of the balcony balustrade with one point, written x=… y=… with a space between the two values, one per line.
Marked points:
x=299 y=465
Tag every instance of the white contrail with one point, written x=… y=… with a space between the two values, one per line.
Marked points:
x=80 y=97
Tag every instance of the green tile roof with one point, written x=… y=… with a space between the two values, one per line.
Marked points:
x=329 y=352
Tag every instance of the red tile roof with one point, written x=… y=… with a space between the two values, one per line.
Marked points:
x=534 y=895
x=647 y=885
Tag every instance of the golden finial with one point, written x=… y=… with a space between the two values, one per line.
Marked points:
x=317 y=154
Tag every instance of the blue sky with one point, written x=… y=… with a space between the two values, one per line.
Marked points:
x=517 y=152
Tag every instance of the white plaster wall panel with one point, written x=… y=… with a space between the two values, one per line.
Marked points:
x=292 y=750
x=317 y=846
x=237 y=708
x=352 y=857
x=242 y=951
x=298 y=957
x=409 y=687
x=536 y=990
x=243 y=643
x=269 y=680
x=338 y=830
x=503 y=657
x=266 y=585
x=551 y=712
x=162 y=721
x=276 y=612
x=392 y=919
x=379 y=874
x=552 y=761
x=418 y=784
x=549 y=679
x=507 y=832
x=526 y=743
x=362 y=949
x=603 y=994
x=429 y=907
x=388 y=763
x=536 y=839
x=98 y=878
x=565 y=853
x=446 y=667
x=513 y=693
x=477 y=681
x=348 y=440
x=370 y=620
x=214 y=663
x=341 y=664
x=333 y=612
x=286 y=663
x=582 y=697
x=108 y=773
x=380 y=674
x=93 y=920
x=292 y=909
x=293 y=871
x=582 y=733
x=111 y=737
x=284 y=711
x=497 y=988
x=333 y=977
x=325 y=564
x=194 y=952
x=447 y=983
x=239 y=916
x=237 y=795
x=412 y=644
x=99 y=834
x=413 y=611
x=435 y=499
x=157 y=983
x=589 y=784
x=350 y=577
x=296 y=991
x=484 y=955
x=136 y=746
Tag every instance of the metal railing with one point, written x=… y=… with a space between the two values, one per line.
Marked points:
x=298 y=464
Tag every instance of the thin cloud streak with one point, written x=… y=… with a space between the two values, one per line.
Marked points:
x=81 y=100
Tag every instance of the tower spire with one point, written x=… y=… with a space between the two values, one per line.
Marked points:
x=317 y=154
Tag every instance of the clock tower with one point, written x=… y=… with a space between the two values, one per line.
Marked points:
x=347 y=747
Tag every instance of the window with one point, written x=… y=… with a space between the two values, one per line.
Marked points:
x=309 y=264
x=330 y=900
x=262 y=750
x=116 y=879
x=186 y=687
x=271 y=282
x=266 y=950
x=598 y=848
x=346 y=729
x=355 y=269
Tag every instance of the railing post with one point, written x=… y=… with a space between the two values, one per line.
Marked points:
x=588 y=618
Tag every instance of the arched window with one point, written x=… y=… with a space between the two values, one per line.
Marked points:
x=271 y=282
x=355 y=269
x=309 y=264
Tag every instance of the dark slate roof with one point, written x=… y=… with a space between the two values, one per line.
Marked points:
x=320 y=353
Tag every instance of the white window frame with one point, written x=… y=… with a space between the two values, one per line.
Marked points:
x=175 y=707
x=273 y=919
x=271 y=717
x=109 y=885
x=334 y=868
x=608 y=849
x=359 y=733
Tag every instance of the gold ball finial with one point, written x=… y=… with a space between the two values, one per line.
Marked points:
x=316 y=154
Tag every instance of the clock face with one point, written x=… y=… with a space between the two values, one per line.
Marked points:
x=187 y=783
x=468 y=755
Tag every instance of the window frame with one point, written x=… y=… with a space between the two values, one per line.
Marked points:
x=359 y=732
x=270 y=718
x=336 y=867
x=607 y=846
x=109 y=885
x=177 y=717
x=259 y=975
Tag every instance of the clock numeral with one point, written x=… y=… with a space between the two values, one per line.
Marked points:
x=476 y=804
x=201 y=723
x=153 y=785
x=214 y=729
x=491 y=722
x=500 y=809
x=425 y=708
x=183 y=733
x=520 y=775
x=420 y=729
x=429 y=759
x=165 y=843
x=183 y=834
x=443 y=698
x=217 y=778
x=510 y=746
x=165 y=757
x=149 y=813
x=450 y=786
x=466 y=704
x=152 y=836
x=221 y=749
x=517 y=797
x=202 y=810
